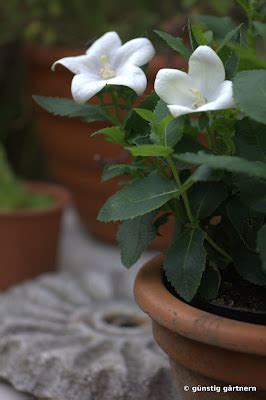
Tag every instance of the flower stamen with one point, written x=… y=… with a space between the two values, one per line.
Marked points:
x=199 y=99
x=106 y=71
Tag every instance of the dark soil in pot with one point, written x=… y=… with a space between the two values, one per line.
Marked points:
x=237 y=299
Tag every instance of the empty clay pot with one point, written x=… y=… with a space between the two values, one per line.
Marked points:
x=205 y=350
x=74 y=158
x=29 y=237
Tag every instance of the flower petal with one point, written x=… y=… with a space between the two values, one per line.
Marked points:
x=105 y=45
x=174 y=87
x=176 y=111
x=130 y=76
x=206 y=70
x=137 y=52
x=79 y=65
x=84 y=87
x=223 y=98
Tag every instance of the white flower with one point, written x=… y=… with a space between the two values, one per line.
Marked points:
x=108 y=62
x=204 y=88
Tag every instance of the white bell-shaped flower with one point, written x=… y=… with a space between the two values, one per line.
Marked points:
x=108 y=62
x=203 y=88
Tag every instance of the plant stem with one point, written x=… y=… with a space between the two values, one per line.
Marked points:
x=115 y=105
x=218 y=248
x=180 y=188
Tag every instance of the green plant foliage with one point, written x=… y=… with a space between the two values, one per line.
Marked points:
x=228 y=163
x=251 y=140
x=113 y=134
x=261 y=245
x=210 y=283
x=185 y=262
x=220 y=26
x=175 y=43
x=138 y=198
x=250 y=93
x=205 y=197
x=68 y=108
x=134 y=235
x=149 y=150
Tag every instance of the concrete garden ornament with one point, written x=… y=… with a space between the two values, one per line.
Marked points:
x=197 y=146
x=108 y=62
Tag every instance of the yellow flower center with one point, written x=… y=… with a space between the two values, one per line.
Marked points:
x=106 y=71
x=199 y=99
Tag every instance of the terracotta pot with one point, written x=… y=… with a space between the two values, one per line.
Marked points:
x=73 y=156
x=29 y=238
x=204 y=349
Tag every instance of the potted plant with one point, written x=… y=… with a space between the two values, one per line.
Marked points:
x=197 y=149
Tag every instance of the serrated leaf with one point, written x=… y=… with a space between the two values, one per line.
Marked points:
x=161 y=110
x=250 y=93
x=139 y=198
x=174 y=132
x=111 y=171
x=251 y=140
x=185 y=262
x=68 y=108
x=227 y=163
x=252 y=193
x=210 y=283
x=230 y=36
x=220 y=26
x=113 y=134
x=147 y=115
x=261 y=246
x=149 y=150
x=205 y=198
x=134 y=236
x=202 y=174
x=175 y=43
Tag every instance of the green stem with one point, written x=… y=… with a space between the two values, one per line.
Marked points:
x=218 y=248
x=180 y=188
x=115 y=105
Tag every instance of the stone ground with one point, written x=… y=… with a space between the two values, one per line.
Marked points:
x=78 y=251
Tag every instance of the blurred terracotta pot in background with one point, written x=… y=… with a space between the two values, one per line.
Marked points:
x=29 y=237
x=204 y=349
x=74 y=158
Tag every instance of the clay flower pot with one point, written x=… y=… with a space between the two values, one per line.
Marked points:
x=74 y=158
x=29 y=238
x=204 y=349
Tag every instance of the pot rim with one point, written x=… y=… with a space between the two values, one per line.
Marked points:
x=193 y=323
x=61 y=196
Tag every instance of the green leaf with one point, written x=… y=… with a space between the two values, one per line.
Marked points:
x=161 y=110
x=205 y=197
x=149 y=150
x=199 y=35
x=261 y=246
x=114 y=134
x=248 y=60
x=202 y=174
x=185 y=262
x=210 y=283
x=250 y=93
x=227 y=163
x=260 y=29
x=174 y=132
x=220 y=26
x=252 y=193
x=244 y=221
x=68 y=108
x=139 y=198
x=147 y=115
x=230 y=36
x=248 y=265
x=113 y=170
x=134 y=236
x=175 y=43
x=251 y=140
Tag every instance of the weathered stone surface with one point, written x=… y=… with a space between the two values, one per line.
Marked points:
x=80 y=336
